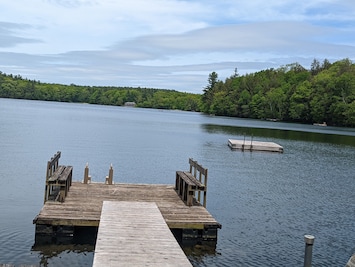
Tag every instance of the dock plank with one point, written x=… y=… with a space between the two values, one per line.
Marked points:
x=82 y=206
x=135 y=234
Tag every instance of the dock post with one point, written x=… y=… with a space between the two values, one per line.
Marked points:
x=109 y=178
x=243 y=146
x=87 y=177
x=251 y=143
x=205 y=191
x=309 y=240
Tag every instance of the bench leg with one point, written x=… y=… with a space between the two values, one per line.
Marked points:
x=185 y=192
x=190 y=196
x=61 y=194
x=204 y=198
x=177 y=184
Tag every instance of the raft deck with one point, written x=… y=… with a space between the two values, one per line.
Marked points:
x=254 y=145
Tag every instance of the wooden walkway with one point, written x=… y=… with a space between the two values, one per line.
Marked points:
x=135 y=234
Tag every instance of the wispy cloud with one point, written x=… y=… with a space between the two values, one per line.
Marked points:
x=10 y=34
x=168 y=43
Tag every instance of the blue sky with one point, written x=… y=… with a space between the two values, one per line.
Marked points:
x=170 y=44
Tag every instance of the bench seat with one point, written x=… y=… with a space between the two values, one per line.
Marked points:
x=54 y=177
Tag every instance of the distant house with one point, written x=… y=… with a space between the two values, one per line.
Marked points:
x=130 y=104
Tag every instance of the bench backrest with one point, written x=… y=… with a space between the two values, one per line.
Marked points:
x=52 y=165
x=194 y=166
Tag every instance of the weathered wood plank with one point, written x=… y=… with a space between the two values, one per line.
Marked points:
x=54 y=177
x=135 y=234
x=82 y=206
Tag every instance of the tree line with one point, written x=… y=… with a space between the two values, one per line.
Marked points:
x=325 y=93
x=17 y=87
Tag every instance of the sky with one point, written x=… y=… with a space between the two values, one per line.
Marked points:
x=168 y=44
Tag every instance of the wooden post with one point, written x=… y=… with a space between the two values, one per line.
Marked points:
x=199 y=192
x=110 y=174
x=243 y=145
x=251 y=143
x=205 y=191
x=109 y=178
x=86 y=173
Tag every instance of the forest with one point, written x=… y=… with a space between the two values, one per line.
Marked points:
x=17 y=87
x=323 y=94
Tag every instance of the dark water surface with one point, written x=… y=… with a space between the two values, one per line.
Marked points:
x=266 y=202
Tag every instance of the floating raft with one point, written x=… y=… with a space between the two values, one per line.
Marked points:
x=255 y=145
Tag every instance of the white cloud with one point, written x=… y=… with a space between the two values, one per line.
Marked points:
x=168 y=43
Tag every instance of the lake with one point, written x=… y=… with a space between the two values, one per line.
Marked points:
x=266 y=202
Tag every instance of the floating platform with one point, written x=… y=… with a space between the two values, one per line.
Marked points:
x=255 y=145
x=135 y=234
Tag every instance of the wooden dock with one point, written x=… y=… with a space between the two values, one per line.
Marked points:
x=251 y=145
x=121 y=216
x=83 y=204
x=135 y=234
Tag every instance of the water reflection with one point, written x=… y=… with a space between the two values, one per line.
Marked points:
x=249 y=132
x=50 y=255
x=52 y=249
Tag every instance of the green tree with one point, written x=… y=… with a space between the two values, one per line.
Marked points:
x=208 y=91
x=275 y=99
x=299 y=103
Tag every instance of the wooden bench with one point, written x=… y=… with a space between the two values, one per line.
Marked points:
x=59 y=183
x=58 y=179
x=187 y=184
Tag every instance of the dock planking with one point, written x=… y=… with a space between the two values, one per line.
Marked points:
x=82 y=206
x=63 y=222
x=135 y=234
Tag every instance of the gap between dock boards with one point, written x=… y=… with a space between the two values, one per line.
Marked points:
x=135 y=234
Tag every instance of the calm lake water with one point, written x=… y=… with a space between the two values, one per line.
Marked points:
x=266 y=202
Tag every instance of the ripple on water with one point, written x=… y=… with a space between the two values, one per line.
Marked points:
x=16 y=246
